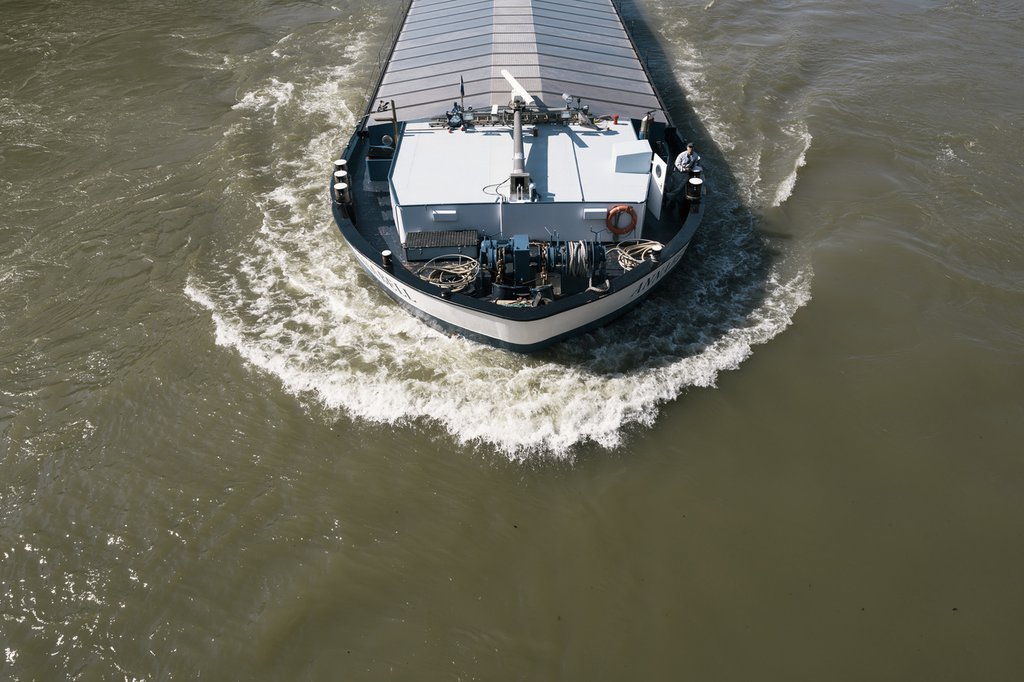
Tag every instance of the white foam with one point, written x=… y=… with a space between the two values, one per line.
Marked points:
x=329 y=337
x=946 y=154
x=785 y=189
x=294 y=304
x=273 y=96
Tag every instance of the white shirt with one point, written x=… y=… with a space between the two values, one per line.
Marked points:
x=687 y=160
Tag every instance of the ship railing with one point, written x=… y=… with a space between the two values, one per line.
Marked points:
x=387 y=46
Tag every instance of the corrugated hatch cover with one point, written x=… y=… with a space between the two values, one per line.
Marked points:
x=550 y=46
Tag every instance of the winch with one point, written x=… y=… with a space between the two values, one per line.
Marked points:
x=517 y=267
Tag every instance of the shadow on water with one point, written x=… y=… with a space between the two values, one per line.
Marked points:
x=724 y=276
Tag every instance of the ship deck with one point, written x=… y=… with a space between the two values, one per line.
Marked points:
x=374 y=216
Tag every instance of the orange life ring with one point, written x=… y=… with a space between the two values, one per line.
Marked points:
x=612 y=220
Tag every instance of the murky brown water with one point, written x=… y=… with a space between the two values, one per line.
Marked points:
x=224 y=455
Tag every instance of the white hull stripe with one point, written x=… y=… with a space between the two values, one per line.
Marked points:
x=519 y=332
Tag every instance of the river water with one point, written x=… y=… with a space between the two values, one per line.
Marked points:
x=224 y=455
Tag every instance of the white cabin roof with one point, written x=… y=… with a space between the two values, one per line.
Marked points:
x=567 y=163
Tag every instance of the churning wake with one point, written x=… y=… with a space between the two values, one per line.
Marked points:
x=290 y=299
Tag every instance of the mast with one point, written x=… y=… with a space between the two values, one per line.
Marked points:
x=520 y=179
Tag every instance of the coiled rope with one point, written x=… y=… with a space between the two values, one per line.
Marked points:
x=454 y=271
x=579 y=258
x=632 y=255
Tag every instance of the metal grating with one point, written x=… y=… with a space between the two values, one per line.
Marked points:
x=448 y=239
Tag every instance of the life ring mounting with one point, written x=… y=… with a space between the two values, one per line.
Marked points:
x=612 y=222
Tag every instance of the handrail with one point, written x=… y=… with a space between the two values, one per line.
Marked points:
x=384 y=53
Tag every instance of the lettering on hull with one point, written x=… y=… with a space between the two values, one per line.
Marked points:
x=385 y=281
x=522 y=334
x=648 y=282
